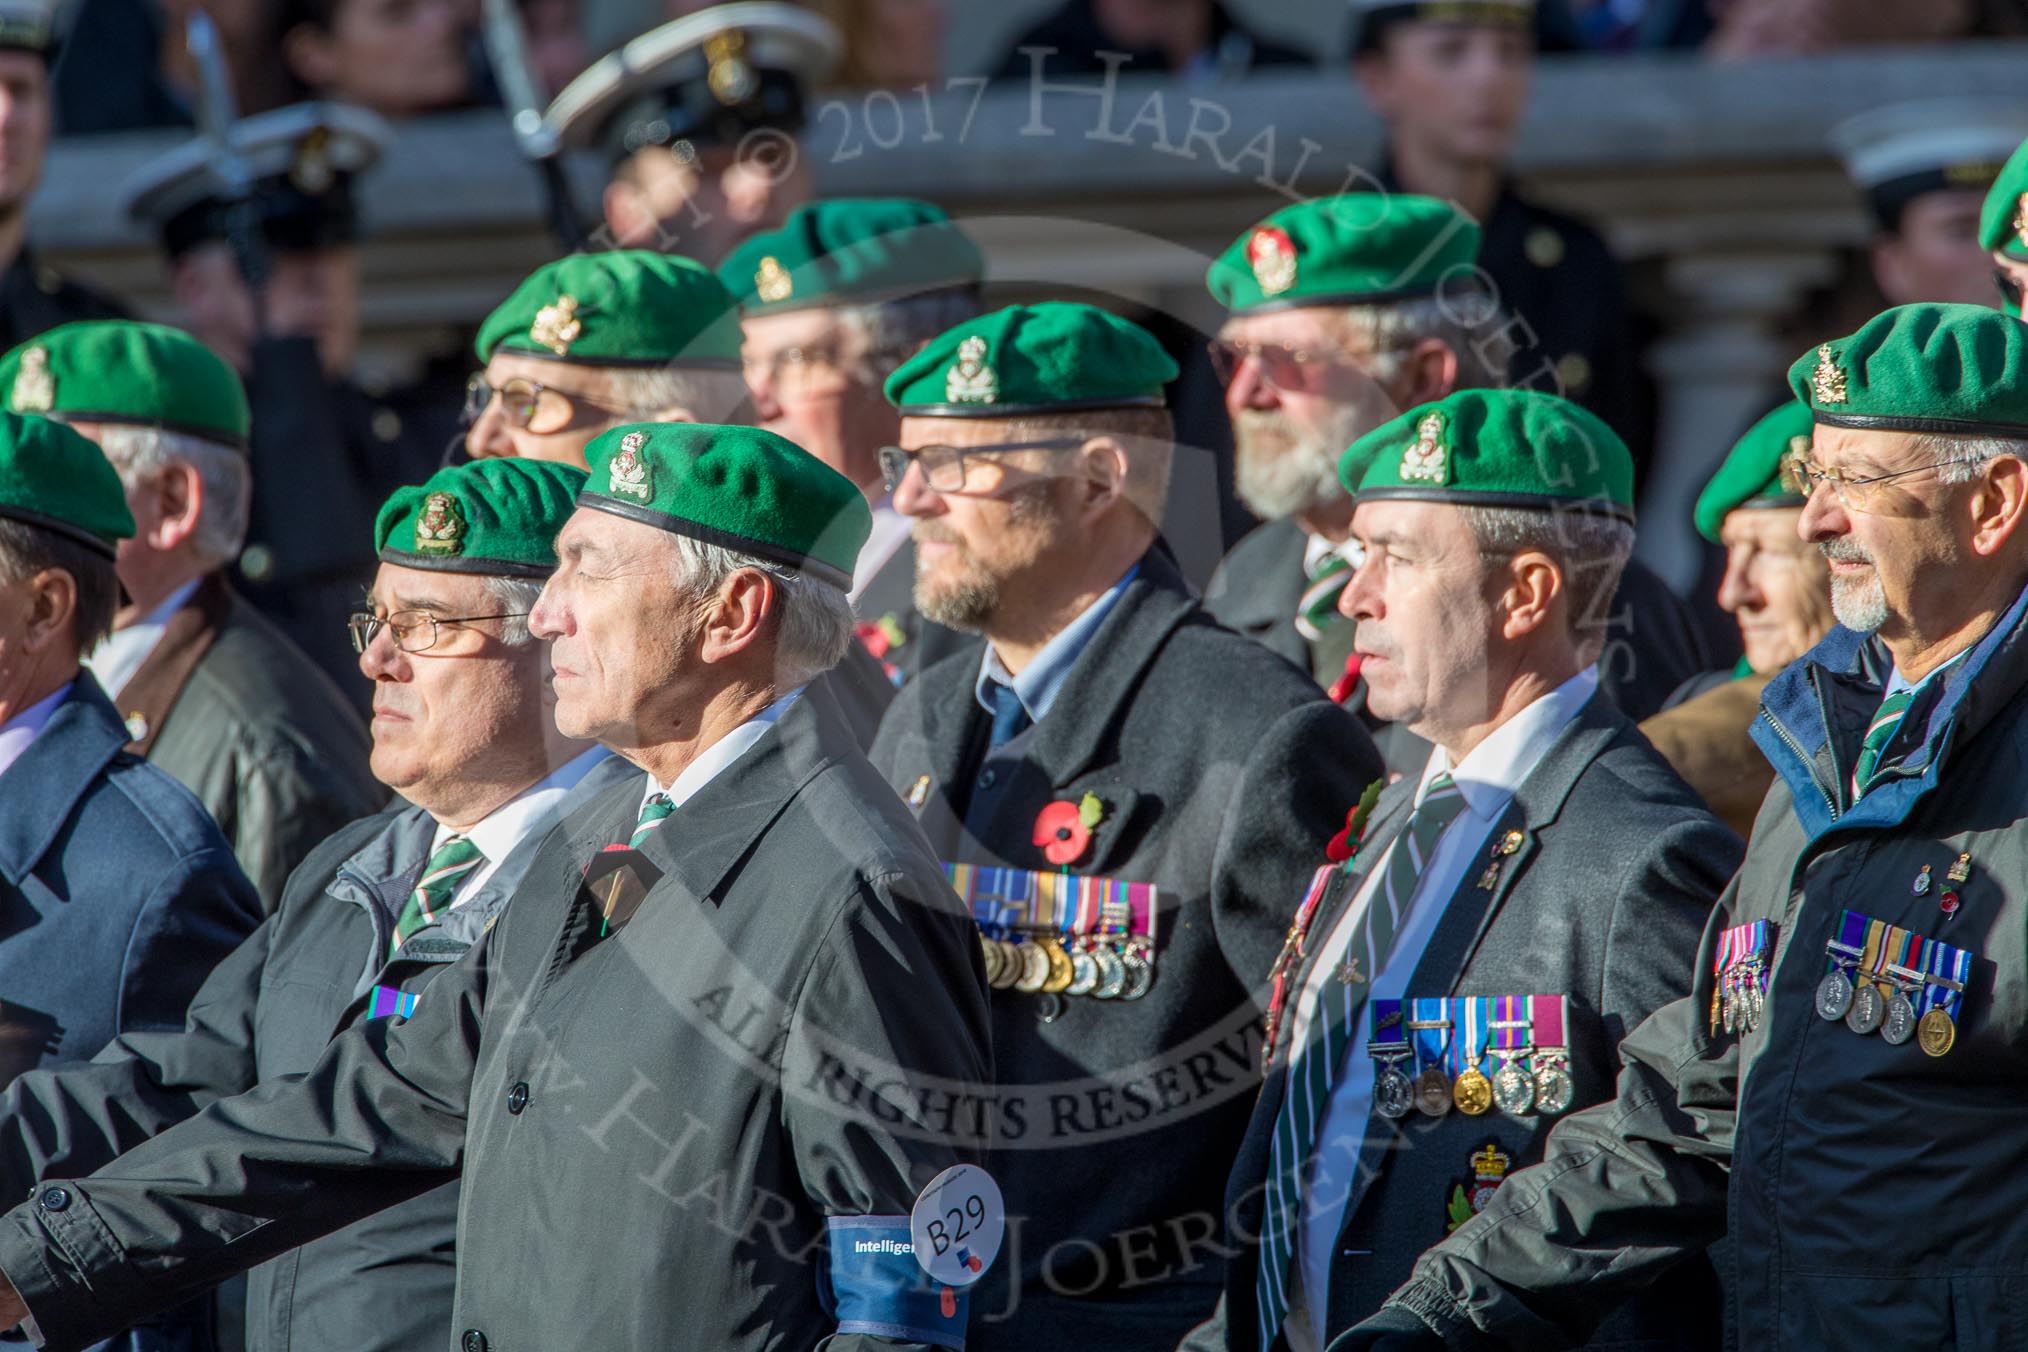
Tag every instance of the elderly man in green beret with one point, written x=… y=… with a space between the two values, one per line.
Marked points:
x=1466 y=961
x=1131 y=796
x=1777 y=585
x=2003 y=229
x=595 y=340
x=832 y=302
x=726 y=1038
x=211 y=692
x=463 y=731
x=1344 y=311
x=1855 y=1028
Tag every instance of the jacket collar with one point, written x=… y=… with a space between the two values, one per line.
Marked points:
x=155 y=687
x=1814 y=713
x=81 y=739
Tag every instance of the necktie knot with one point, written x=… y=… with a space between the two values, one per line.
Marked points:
x=1886 y=722
x=448 y=866
x=1010 y=715
x=653 y=811
x=1318 y=609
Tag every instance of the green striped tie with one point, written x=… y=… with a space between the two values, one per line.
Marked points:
x=1878 y=734
x=1308 y=1090
x=653 y=811
x=450 y=864
x=1318 y=610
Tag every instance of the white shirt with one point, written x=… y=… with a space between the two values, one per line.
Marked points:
x=720 y=754
x=506 y=826
x=1487 y=779
x=18 y=733
x=121 y=653
x=890 y=532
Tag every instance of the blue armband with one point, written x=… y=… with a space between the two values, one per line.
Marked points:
x=875 y=1286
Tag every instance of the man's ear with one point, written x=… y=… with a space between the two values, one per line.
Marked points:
x=1431 y=372
x=52 y=610
x=1104 y=462
x=735 y=618
x=177 y=493
x=1533 y=582
x=1998 y=503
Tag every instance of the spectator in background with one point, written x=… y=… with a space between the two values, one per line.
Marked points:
x=1750 y=28
x=556 y=47
x=1924 y=168
x=889 y=44
x=1451 y=82
x=1621 y=25
x=397 y=58
x=126 y=64
x=1199 y=40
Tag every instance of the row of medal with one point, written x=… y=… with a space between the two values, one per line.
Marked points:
x=1433 y=1055
x=1061 y=933
x=1739 y=977
x=1893 y=981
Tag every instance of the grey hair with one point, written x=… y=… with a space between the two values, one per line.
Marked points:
x=1478 y=335
x=140 y=453
x=816 y=622
x=512 y=596
x=893 y=331
x=1590 y=550
x=1961 y=458
x=707 y=394
x=26 y=550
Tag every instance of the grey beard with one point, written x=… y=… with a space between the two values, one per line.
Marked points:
x=1859 y=605
x=964 y=607
x=1300 y=478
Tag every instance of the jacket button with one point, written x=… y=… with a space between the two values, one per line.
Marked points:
x=56 y=1199
x=989 y=778
x=473 y=1341
x=517 y=1099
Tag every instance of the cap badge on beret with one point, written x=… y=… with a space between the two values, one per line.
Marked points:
x=2021 y=219
x=34 y=387
x=1272 y=255
x=1428 y=456
x=771 y=281
x=1792 y=466
x=971 y=380
x=556 y=325
x=440 y=526
x=730 y=78
x=1827 y=380
x=628 y=472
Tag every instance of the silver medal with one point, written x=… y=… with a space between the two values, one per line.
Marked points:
x=1899 y=1024
x=1084 y=972
x=1554 y=1090
x=1112 y=973
x=1834 y=995
x=1140 y=973
x=1868 y=1009
x=1393 y=1093
x=1513 y=1090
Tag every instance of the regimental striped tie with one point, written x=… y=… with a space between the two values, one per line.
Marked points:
x=653 y=811
x=1308 y=1091
x=1318 y=610
x=1878 y=734
x=450 y=864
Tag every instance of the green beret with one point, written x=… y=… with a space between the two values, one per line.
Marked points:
x=1496 y=448
x=1052 y=357
x=1752 y=475
x=498 y=517
x=2003 y=221
x=851 y=251
x=1961 y=370
x=741 y=488
x=56 y=478
x=627 y=307
x=120 y=371
x=1355 y=249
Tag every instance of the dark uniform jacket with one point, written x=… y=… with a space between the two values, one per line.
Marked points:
x=240 y=717
x=1872 y=1194
x=35 y=298
x=1708 y=739
x=1602 y=903
x=117 y=894
x=1222 y=771
x=654 y=1123
x=383 y=1284
x=890 y=596
x=1652 y=644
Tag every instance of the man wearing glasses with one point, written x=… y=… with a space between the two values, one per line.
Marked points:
x=832 y=302
x=596 y=340
x=1155 y=787
x=1345 y=311
x=1855 y=1140
x=462 y=730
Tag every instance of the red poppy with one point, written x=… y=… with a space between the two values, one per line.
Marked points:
x=875 y=638
x=1061 y=833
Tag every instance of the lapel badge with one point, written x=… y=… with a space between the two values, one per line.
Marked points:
x=1489 y=1171
x=34 y=387
x=1502 y=847
x=440 y=528
x=137 y=726
x=730 y=78
x=1272 y=255
x=970 y=380
x=1427 y=457
x=1960 y=871
x=772 y=282
x=1920 y=887
x=1060 y=831
x=1349 y=974
x=918 y=793
x=1827 y=382
x=556 y=325
x=627 y=472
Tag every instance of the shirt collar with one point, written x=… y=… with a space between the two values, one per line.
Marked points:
x=123 y=652
x=508 y=825
x=720 y=754
x=1493 y=770
x=1040 y=681
x=1898 y=682
x=18 y=733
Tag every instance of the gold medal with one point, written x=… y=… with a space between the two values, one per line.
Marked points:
x=1473 y=1093
x=1936 y=1032
x=1061 y=973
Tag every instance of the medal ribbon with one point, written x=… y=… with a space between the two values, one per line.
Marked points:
x=1722 y=963
x=1389 y=1035
x=1952 y=964
x=1851 y=937
x=1545 y=1013
x=1469 y=1017
x=1511 y=1011
x=1067 y=903
x=1431 y=1044
x=393 y=1001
